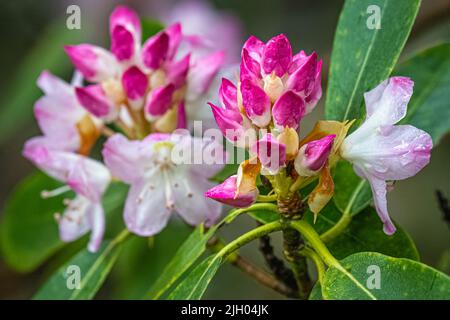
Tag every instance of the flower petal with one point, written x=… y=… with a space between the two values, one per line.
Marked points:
x=392 y=153
x=249 y=68
x=155 y=50
x=228 y=94
x=96 y=218
x=270 y=152
x=175 y=35
x=177 y=71
x=125 y=31
x=126 y=159
x=246 y=178
x=379 y=197
x=146 y=209
x=277 y=55
x=75 y=223
x=181 y=116
x=322 y=193
x=93 y=98
x=135 y=83
x=190 y=202
x=95 y=63
x=202 y=73
x=254 y=47
x=288 y=110
x=159 y=101
x=88 y=177
x=230 y=122
x=313 y=155
x=387 y=103
x=256 y=103
x=226 y=191
x=302 y=80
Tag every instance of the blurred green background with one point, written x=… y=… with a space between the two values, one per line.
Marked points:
x=33 y=33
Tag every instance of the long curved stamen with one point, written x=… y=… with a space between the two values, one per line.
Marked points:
x=56 y=192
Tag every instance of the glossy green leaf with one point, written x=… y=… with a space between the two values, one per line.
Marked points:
x=362 y=57
x=143 y=260
x=429 y=108
x=399 y=279
x=186 y=255
x=93 y=269
x=364 y=233
x=316 y=292
x=150 y=28
x=351 y=193
x=28 y=232
x=17 y=104
x=194 y=285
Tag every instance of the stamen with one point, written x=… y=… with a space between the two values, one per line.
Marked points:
x=169 y=202
x=56 y=192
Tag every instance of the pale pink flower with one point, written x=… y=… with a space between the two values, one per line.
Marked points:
x=161 y=184
x=381 y=150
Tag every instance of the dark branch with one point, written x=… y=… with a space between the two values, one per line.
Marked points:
x=444 y=206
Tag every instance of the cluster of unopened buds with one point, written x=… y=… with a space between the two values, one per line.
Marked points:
x=138 y=95
x=263 y=112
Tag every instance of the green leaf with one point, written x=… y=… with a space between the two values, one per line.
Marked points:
x=429 y=108
x=93 y=267
x=29 y=233
x=364 y=233
x=17 y=103
x=194 y=285
x=363 y=57
x=316 y=292
x=186 y=255
x=399 y=279
x=150 y=28
x=352 y=194
x=142 y=260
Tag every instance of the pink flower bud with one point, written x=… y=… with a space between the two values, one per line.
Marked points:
x=313 y=155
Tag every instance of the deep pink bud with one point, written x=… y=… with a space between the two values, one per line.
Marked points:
x=256 y=103
x=135 y=83
x=95 y=63
x=228 y=94
x=270 y=152
x=313 y=155
x=226 y=193
x=159 y=101
x=155 y=50
x=93 y=98
x=288 y=110
x=249 y=68
x=277 y=55
x=230 y=122
x=125 y=31
x=303 y=78
x=178 y=71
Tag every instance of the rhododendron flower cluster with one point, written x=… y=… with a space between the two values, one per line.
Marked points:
x=263 y=114
x=142 y=90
